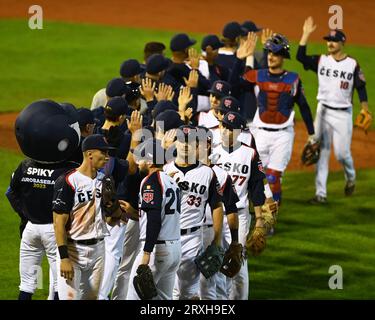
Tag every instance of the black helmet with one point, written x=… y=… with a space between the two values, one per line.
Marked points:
x=278 y=44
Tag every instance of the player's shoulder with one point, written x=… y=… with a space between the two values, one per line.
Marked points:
x=153 y=181
x=66 y=178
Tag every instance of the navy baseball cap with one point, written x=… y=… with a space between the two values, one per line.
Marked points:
x=229 y=103
x=232 y=30
x=150 y=150
x=233 y=120
x=250 y=26
x=186 y=133
x=156 y=63
x=115 y=88
x=117 y=106
x=336 y=36
x=132 y=91
x=220 y=88
x=213 y=41
x=181 y=41
x=170 y=119
x=163 y=105
x=96 y=142
x=130 y=68
x=85 y=117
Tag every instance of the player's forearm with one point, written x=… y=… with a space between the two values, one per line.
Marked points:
x=304 y=39
x=59 y=223
x=217 y=217
x=232 y=219
x=364 y=105
x=130 y=158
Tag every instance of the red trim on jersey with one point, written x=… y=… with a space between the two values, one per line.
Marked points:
x=251 y=76
x=159 y=180
x=67 y=178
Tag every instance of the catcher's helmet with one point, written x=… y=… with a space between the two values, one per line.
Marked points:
x=279 y=45
x=132 y=91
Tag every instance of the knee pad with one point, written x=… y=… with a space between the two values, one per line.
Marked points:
x=274 y=180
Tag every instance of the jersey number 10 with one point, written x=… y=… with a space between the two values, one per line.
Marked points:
x=344 y=85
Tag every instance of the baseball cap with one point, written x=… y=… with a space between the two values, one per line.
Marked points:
x=233 y=29
x=336 y=36
x=233 y=120
x=250 y=26
x=213 y=41
x=115 y=88
x=96 y=141
x=220 y=88
x=181 y=41
x=132 y=91
x=150 y=150
x=85 y=117
x=155 y=47
x=229 y=103
x=163 y=105
x=170 y=119
x=130 y=68
x=117 y=106
x=186 y=133
x=156 y=63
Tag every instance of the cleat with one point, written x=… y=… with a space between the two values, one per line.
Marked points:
x=349 y=188
x=318 y=200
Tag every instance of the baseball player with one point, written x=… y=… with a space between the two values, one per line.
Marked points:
x=274 y=119
x=159 y=220
x=338 y=76
x=31 y=188
x=199 y=188
x=208 y=287
x=245 y=168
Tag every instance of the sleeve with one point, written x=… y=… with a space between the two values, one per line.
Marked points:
x=13 y=192
x=304 y=108
x=213 y=193
x=230 y=197
x=360 y=84
x=309 y=62
x=256 y=185
x=238 y=82
x=128 y=189
x=151 y=203
x=120 y=170
x=63 y=196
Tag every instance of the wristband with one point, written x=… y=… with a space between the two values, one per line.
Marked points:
x=234 y=234
x=63 y=251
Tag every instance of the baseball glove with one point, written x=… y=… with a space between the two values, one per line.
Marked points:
x=144 y=283
x=310 y=153
x=110 y=203
x=256 y=242
x=210 y=261
x=269 y=214
x=233 y=260
x=363 y=120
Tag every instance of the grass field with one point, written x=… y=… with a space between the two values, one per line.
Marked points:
x=70 y=62
x=295 y=264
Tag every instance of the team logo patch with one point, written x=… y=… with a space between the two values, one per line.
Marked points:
x=231 y=117
x=227 y=103
x=148 y=196
x=219 y=86
x=186 y=130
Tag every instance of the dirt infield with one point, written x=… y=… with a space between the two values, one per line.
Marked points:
x=209 y=16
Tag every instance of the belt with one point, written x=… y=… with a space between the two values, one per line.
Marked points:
x=272 y=129
x=341 y=109
x=208 y=225
x=162 y=241
x=190 y=230
x=88 y=242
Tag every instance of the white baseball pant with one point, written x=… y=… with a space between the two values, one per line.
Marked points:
x=130 y=251
x=333 y=126
x=88 y=264
x=164 y=262
x=37 y=240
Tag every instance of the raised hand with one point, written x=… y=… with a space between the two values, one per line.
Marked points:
x=309 y=26
x=165 y=92
x=247 y=47
x=184 y=98
x=193 y=59
x=135 y=122
x=192 y=82
x=266 y=34
x=148 y=89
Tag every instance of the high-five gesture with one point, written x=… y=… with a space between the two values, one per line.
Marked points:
x=308 y=28
x=165 y=92
x=266 y=34
x=192 y=82
x=148 y=89
x=193 y=59
x=247 y=47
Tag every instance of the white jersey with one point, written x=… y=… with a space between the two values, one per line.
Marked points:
x=198 y=187
x=159 y=191
x=336 y=81
x=208 y=120
x=80 y=196
x=238 y=164
x=221 y=176
x=99 y=99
